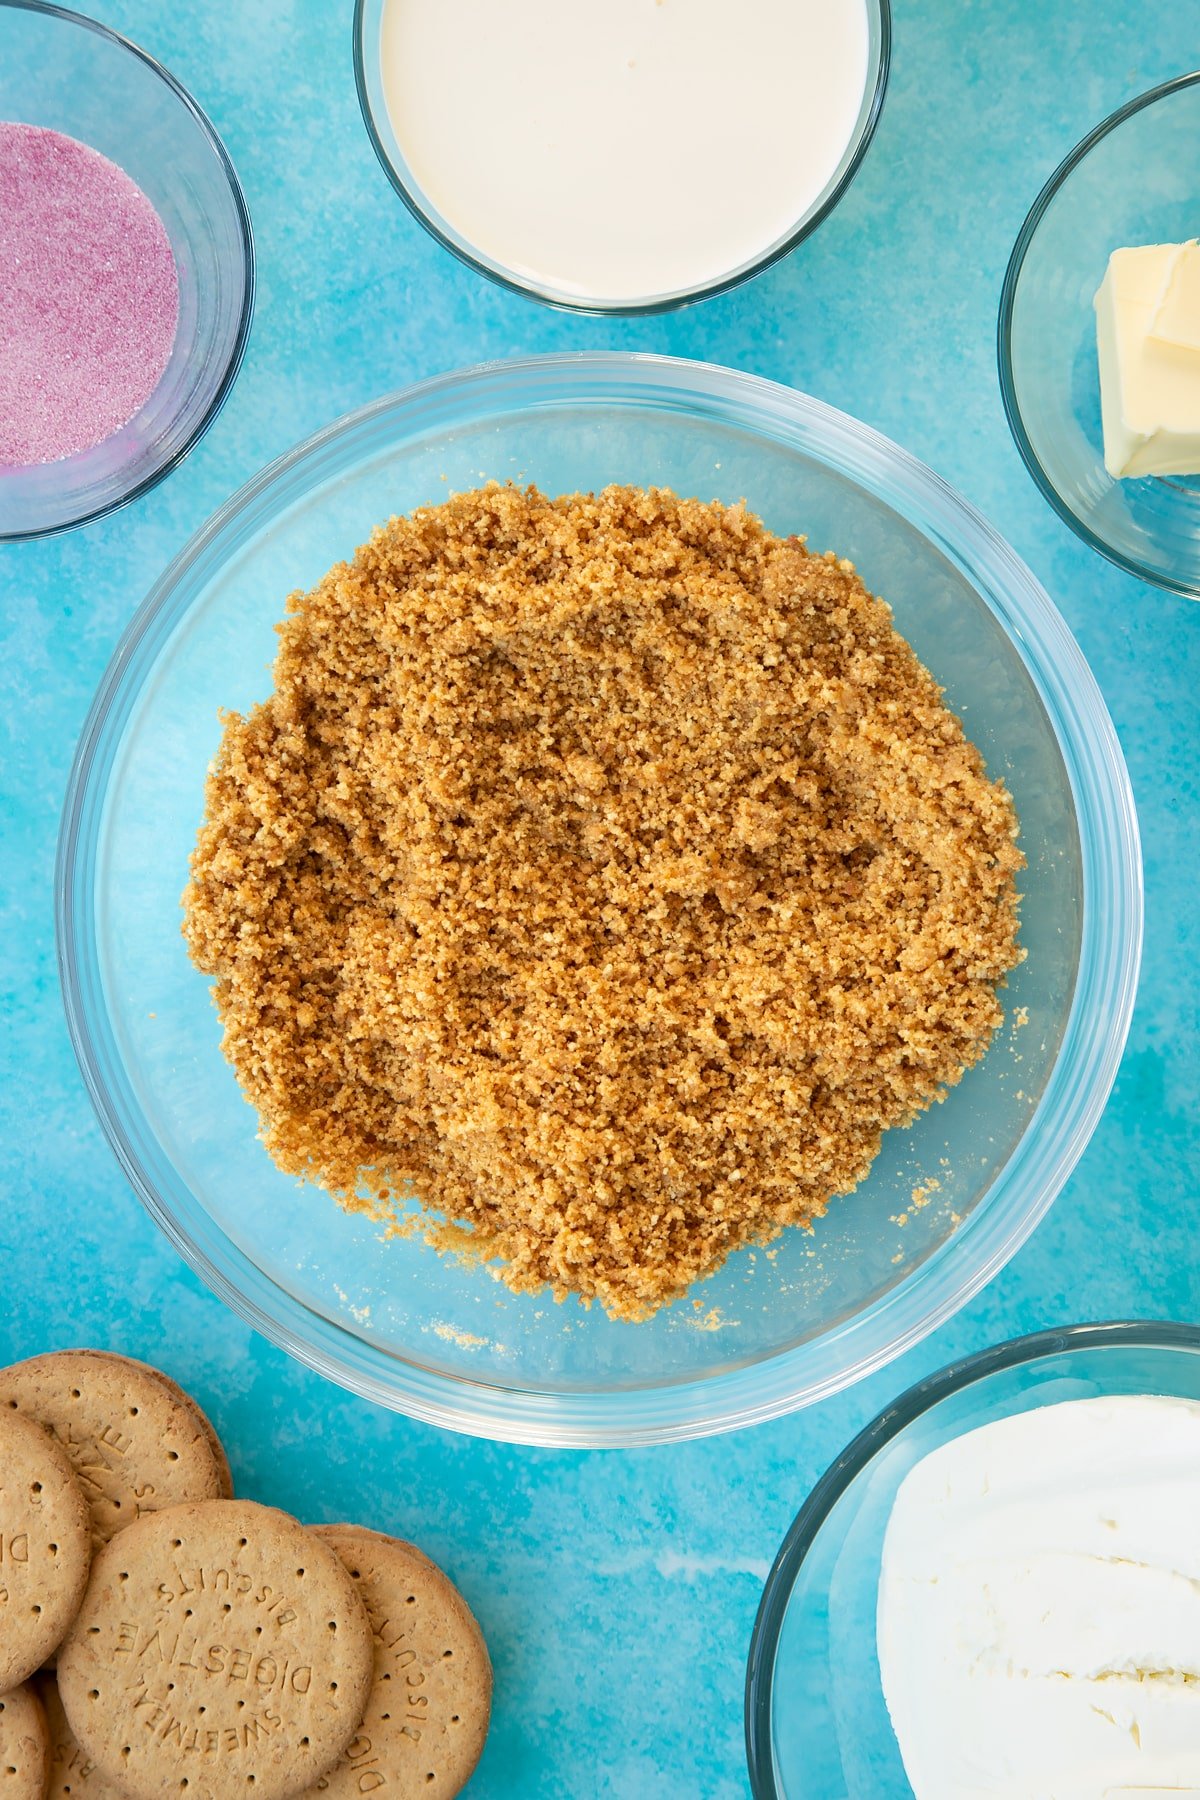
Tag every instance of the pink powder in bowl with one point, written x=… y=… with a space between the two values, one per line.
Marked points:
x=89 y=296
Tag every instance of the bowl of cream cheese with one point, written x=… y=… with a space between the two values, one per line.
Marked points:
x=995 y=1590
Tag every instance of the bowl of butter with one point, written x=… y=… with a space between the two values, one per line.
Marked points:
x=995 y=1590
x=1099 y=338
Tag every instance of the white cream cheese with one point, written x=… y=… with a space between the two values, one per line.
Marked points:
x=1039 y=1606
x=1148 y=342
x=618 y=150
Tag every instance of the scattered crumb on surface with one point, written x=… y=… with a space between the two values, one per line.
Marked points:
x=466 y=1340
x=360 y=1314
x=713 y=1320
x=604 y=871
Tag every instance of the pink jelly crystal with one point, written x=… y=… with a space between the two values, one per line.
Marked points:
x=89 y=297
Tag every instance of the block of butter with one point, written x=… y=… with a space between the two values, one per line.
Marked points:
x=1148 y=338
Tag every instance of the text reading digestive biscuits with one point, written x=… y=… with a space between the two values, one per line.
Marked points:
x=177 y=1650
x=149 y=1649
x=403 y=1658
x=220 y=1580
x=361 y=1756
x=363 y=1761
x=262 y=1673
x=604 y=874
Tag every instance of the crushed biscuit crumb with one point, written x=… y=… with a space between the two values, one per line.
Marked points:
x=604 y=873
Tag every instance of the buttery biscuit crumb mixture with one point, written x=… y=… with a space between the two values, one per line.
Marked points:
x=605 y=873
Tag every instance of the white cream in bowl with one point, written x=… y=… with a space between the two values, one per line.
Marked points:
x=620 y=151
x=1039 y=1606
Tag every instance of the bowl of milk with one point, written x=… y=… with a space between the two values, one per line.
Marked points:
x=621 y=156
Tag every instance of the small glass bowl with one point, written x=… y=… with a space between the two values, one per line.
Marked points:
x=368 y=75
x=1134 y=180
x=947 y=1202
x=66 y=73
x=817 y=1725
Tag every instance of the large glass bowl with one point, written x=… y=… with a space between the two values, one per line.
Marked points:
x=368 y=75
x=772 y=1331
x=817 y=1725
x=1135 y=179
x=66 y=73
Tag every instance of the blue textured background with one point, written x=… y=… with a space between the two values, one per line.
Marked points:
x=617 y=1591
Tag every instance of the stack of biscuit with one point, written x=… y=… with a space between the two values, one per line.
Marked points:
x=160 y=1638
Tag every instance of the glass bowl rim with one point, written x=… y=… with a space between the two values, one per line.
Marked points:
x=1008 y=294
x=1021 y=1191
x=89 y=515
x=709 y=290
x=883 y=1429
